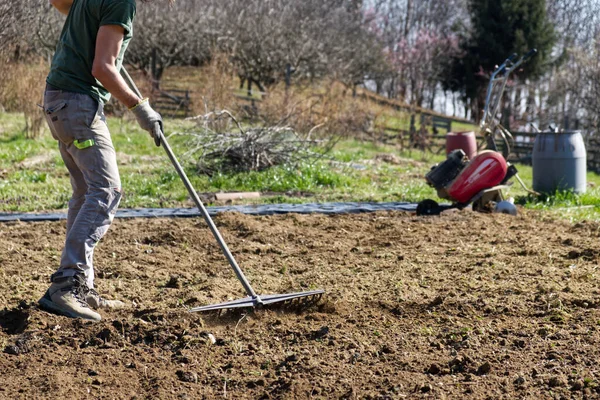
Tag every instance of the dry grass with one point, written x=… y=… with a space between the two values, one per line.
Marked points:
x=22 y=90
x=212 y=87
x=329 y=105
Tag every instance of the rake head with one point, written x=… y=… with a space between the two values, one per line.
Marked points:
x=300 y=298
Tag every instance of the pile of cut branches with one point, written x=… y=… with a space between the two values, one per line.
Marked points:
x=221 y=144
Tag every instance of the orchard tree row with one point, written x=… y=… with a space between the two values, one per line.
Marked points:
x=428 y=53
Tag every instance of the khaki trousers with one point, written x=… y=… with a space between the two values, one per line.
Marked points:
x=78 y=124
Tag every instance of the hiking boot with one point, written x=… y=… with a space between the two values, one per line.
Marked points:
x=96 y=301
x=66 y=296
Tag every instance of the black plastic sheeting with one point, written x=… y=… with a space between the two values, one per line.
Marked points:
x=263 y=209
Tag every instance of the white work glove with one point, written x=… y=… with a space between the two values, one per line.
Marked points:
x=148 y=119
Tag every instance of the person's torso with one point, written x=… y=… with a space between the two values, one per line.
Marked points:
x=71 y=67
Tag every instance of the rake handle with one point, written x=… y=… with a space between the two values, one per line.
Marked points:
x=159 y=139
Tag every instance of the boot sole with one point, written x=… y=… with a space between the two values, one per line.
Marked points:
x=49 y=305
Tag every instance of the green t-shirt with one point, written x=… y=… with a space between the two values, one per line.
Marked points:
x=71 y=68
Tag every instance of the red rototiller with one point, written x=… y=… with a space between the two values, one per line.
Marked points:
x=479 y=181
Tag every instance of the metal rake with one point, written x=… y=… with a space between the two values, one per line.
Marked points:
x=253 y=300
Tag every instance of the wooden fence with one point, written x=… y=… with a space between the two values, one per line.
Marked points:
x=172 y=103
x=521 y=149
x=427 y=136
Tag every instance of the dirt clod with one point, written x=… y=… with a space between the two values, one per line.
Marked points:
x=434 y=369
x=426 y=388
x=577 y=385
x=174 y=282
x=187 y=376
x=484 y=368
x=520 y=380
x=557 y=381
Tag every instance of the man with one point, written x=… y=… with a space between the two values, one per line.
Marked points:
x=83 y=75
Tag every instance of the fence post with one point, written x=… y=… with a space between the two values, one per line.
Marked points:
x=288 y=75
x=412 y=131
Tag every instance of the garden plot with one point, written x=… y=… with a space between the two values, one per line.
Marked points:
x=464 y=304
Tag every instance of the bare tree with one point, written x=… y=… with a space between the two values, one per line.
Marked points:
x=315 y=38
x=418 y=37
x=565 y=96
x=43 y=26
x=163 y=37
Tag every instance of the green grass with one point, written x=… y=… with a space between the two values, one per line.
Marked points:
x=34 y=178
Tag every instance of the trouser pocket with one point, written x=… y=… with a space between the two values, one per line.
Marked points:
x=70 y=117
x=58 y=121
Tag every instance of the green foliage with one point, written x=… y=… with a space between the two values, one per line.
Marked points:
x=499 y=29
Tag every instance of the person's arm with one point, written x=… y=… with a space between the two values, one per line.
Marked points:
x=63 y=6
x=108 y=45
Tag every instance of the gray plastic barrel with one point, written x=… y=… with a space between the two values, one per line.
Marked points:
x=559 y=162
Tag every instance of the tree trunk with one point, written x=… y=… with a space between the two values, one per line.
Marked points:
x=154 y=70
x=407 y=20
x=432 y=97
x=516 y=106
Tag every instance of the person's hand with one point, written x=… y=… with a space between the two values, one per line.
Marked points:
x=148 y=119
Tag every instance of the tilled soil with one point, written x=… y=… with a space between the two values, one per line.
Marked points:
x=464 y=305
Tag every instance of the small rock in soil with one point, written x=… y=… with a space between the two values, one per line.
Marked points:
x=519 y=381
x=13 y=350
x=91 y=372
x=21 y=346
x=211 y=338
